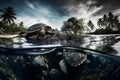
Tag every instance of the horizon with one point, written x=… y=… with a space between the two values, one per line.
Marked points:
x=55 y=12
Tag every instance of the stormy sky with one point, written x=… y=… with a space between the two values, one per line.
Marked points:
x=54 y=12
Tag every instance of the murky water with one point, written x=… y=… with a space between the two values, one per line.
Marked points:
x=93 y=57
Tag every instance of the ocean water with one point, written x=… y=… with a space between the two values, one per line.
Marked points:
x=90 y=58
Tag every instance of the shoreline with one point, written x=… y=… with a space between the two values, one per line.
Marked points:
x=8 y=36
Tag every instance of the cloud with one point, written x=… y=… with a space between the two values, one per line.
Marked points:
x=29 y=21
x=59 y=6
x=117 y=12
x=30 y=5
x=84 y=11
x=108 y=6
x=54 y=12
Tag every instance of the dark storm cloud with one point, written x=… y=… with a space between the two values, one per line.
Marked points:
x=56 y=11
x=107 y=6
x=60 y=5
x=19 y=5
x=56 y=5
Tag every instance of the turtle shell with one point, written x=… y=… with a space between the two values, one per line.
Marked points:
x=35 y=27
x=75 y=58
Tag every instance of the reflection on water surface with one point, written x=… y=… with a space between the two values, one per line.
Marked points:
x=106 y=43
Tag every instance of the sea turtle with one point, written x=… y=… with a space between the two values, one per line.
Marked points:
x=74 y=58
x=38 y=30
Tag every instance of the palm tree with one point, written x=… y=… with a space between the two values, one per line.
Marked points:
x=99 y=23
x=91 y=25
x=111 y=20
x=8 y=15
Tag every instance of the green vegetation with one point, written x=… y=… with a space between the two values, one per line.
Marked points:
x=74 y=24
x=7 y=23
x=8 y=15
x=108 y=24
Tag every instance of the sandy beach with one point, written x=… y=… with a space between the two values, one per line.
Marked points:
x=9 y=36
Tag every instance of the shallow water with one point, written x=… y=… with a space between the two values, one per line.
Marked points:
x=110 y=44
x=91 y=58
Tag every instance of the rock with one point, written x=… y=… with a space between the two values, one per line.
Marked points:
x=63 y=66
x=55 y=74
x=41 y=60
